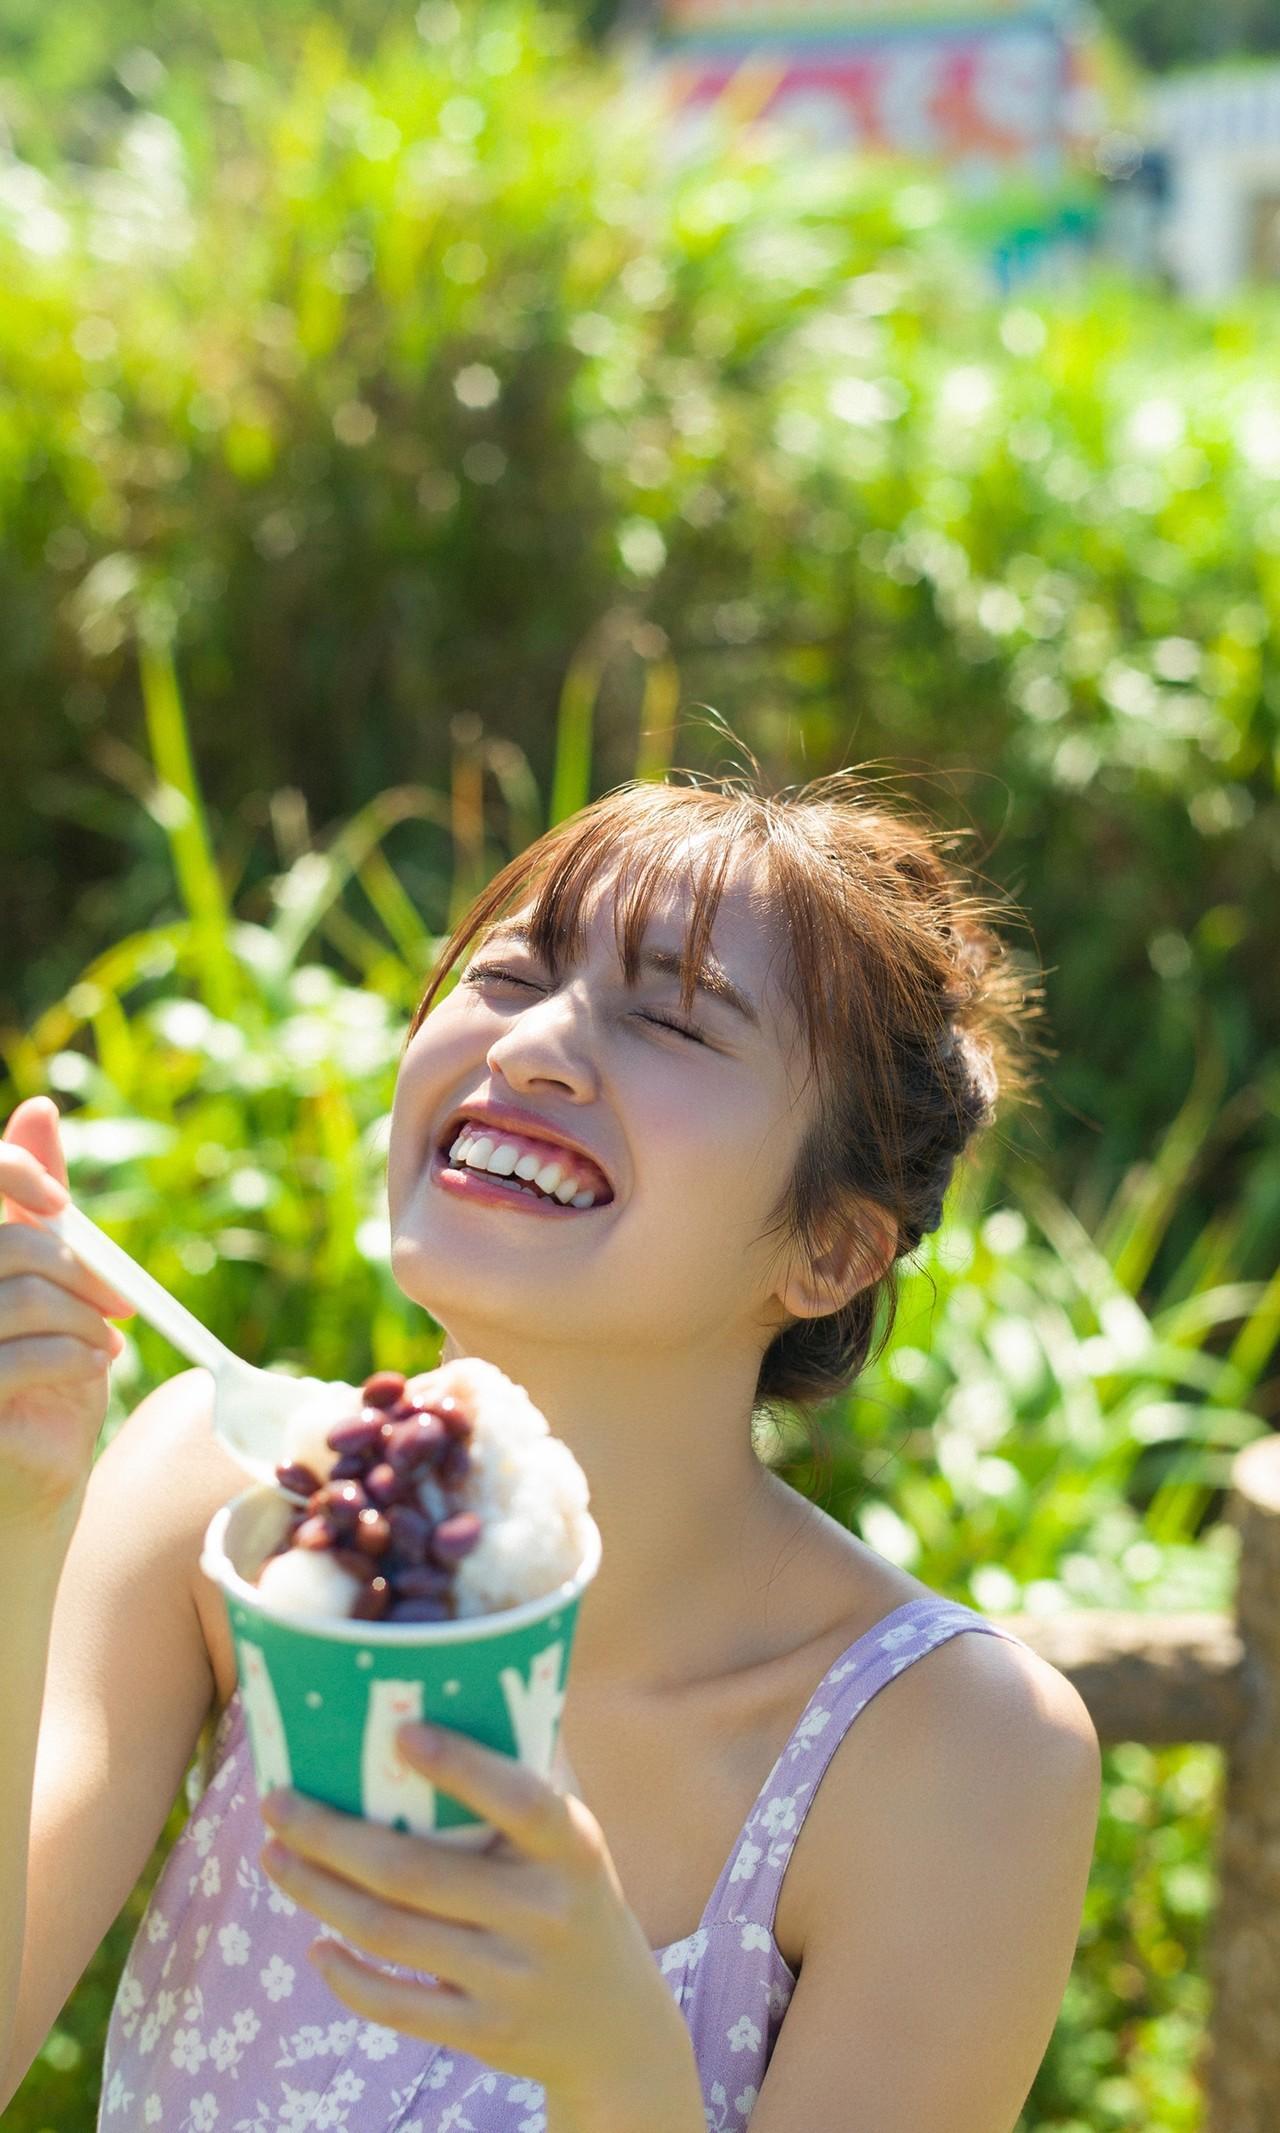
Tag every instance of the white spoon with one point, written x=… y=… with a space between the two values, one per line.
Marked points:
x=251 y=1408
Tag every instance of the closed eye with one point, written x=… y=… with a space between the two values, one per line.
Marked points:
x=476 y=972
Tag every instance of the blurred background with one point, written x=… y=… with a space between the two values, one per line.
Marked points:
x=415 y=422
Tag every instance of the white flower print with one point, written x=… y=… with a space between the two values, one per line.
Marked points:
x=118 y=2097
x=204 y=2113
x=131 y=1999
x=211 y=1876
x=157 y=1927
x=298 y=2109
x=779 y=1996
x=203 y=1833
x=452 y=2116
x=166 y=2004
x=224 y=2051
x=202 y=1941
x=903 y=1634
x=744 y=2035
x=754 y=1936
x=189 y=2050
x=150 y=2037
x=277 y=1979
x=277 y=1901
x=780 y=1813
x=689 y=1950
x=746 y=1862
x=234 y=1943
x=437 y=2074
x=305 y=2043
x=168 y=1961
x=153 y=2109
x=246 y=2025
x=745 y=2104
x=806 y=1733
x=330 y=2114
x=193 y=2004
x=348 y=2087
x=340 y=2036
x=378 y=2042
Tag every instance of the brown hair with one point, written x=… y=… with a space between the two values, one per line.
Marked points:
x=914 y=1016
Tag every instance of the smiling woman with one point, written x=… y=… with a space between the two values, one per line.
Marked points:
x=736 y=1042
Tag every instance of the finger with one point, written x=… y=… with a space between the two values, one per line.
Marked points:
x=435 y=2013
x=464 y=1954
x=30 y=1304
x=39 y=1359
x=33 y=1249
x=519 y=1804
x=400 y=1867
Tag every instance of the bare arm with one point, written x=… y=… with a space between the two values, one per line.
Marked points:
x=111 y=1723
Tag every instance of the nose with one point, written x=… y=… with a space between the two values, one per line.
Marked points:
x=542 y=1043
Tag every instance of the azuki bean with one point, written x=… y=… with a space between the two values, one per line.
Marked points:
x=372 y=1601
x=456 y=1536
x=315 y=1532
x=373 y=1531
x=297 y=1479
x=363 y=1434
x=383 y=1389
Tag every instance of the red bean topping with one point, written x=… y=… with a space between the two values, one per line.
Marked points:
x=341 y=1502
x=297 y=1478
x=373 y=1532
x=456 y=1536
x=383 y=1389
x=410 y=1532
x=372 y=1601
x=415 y=1444
x=363 y=1434
x=384 y=1485
x=350 y=1467
x=314 y=1533
x=423 y=1610
x=431 y=1581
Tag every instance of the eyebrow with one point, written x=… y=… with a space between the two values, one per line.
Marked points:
x=710 y=978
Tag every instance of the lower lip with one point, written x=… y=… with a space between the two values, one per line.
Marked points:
x=473 y=1185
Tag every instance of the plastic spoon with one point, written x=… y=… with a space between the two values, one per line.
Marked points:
x=251 y=1408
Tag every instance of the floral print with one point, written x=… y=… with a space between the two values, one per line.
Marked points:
x=220 y=2025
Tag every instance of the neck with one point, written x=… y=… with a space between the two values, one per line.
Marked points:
x=688 y=1515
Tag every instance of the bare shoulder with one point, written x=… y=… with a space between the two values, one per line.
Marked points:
x=980 y=1737
x=954 y=1834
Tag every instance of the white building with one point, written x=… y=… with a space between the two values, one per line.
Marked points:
x=1217 y=132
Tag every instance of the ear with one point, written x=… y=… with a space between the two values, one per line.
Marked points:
x=860 y=1251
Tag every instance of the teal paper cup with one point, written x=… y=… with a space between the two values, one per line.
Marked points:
x=324 y=1699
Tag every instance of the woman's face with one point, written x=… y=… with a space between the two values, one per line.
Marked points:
x=696 y=1134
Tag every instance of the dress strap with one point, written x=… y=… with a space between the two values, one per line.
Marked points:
x=748 y=1889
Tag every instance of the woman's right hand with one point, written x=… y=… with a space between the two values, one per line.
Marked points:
x=56 y=1346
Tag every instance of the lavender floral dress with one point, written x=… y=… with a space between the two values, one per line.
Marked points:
x=220 y=2025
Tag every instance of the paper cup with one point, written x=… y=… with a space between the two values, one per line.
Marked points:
x=323 y=1699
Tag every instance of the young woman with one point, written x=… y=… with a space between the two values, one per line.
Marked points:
x=755 y=1031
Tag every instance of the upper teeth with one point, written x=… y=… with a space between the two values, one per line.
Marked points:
x=502 y=1158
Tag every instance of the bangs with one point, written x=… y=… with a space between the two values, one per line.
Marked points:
x=658 y=844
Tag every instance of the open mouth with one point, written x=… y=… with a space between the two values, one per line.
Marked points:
x=491 y=1189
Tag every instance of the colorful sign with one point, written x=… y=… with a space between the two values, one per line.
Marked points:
x=1009 y=88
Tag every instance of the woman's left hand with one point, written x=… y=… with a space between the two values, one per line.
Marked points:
x=543 y=1968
